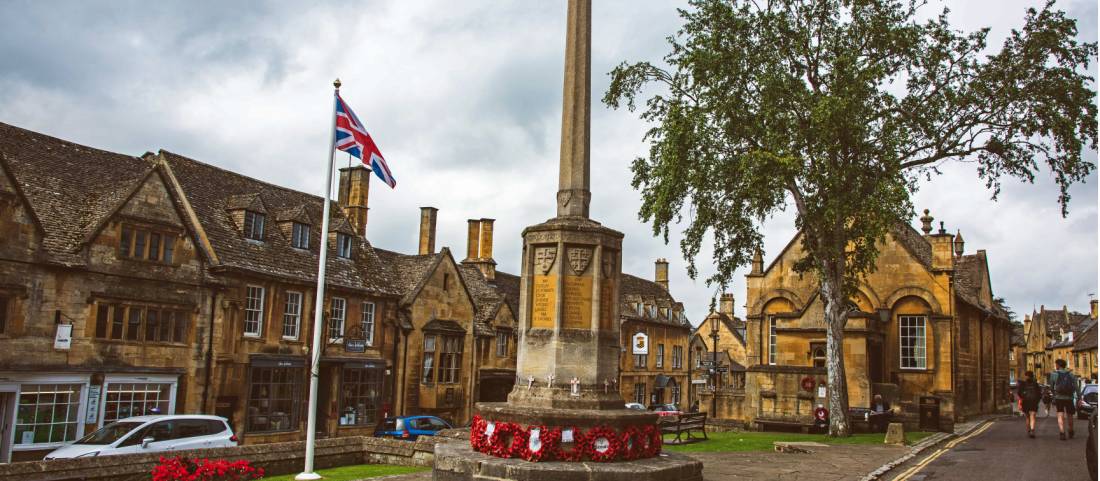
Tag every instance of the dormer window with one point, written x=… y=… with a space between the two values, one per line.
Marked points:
x=641 y=309
x=254 y=225
x=343 y=246
x=653 y=312
x=299 y=236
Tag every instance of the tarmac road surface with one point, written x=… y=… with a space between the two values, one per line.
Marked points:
x=1002 y=450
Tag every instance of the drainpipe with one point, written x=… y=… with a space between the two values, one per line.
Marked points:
x=404 y=369
x=209 y=354
x=393 y=394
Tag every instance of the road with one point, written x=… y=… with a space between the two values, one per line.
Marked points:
x=1002 y=450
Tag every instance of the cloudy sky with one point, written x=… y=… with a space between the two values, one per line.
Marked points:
x=464 y=99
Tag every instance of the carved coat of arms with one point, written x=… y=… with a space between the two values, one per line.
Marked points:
x=579 y=258
x=544 y=258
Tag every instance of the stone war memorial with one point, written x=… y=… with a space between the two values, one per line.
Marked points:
x=565 y=417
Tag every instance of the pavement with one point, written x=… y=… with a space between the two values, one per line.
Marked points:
x=1000 y=449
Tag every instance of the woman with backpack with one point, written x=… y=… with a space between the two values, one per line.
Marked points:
x=1030 y=394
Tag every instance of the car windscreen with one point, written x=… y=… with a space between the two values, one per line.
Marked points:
x=109 y=433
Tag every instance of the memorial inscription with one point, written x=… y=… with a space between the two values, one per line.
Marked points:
x=543 y=298
x=577 y=311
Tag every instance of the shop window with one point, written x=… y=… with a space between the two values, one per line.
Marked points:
x=124 y=400
x=450 y=359
x=367 y=322
x=47 y=414
x=254 y=225
x=336 y=319
x=274 y=399
x=299 y=235
x=292 y=315
x=254 y=311
x=912 y=340
x=146 y=244
x=361 y=396
x=502 y=344
x=429 y=359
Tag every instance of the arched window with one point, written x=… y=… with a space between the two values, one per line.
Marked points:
x=818 y=356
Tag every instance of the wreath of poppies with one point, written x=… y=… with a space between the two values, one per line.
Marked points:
x=510 y=440
x=579 y=448
x=548 y=439
x=515 y=448
x=592 y=441
x=653 y=441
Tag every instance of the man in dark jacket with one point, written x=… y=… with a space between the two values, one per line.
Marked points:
x=1064 y=385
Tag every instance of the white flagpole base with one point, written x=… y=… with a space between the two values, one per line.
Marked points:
x=307 y=477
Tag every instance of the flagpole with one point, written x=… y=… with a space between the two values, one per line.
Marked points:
x=307 y=473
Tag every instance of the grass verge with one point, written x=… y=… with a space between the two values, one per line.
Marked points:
x=348 y=473
x=762 y=441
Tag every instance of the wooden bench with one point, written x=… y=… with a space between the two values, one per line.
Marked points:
x=764 y=424
x=683 y=424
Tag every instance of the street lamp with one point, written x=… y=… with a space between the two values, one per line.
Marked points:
x=714 y=363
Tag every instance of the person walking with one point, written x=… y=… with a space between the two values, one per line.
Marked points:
x=1030 y=394
x=1048 y=398
x=1064 y=385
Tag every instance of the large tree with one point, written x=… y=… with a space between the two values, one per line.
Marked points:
x=841 y=108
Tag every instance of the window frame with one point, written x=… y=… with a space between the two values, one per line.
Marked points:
x=641 y=361
x=640 y=395
x=450 y=358
x=773 y=341
x=258 y=310
x=294 y=374
x=5 y=318
x=660 y=361
x=296 y=315
x=427 y=359
x=332 y=318
x=80 y=408
x=502 y=343
x=254 y=225
x=919 y=331
x=367 y=320
x=343 y=245
x=299 y=235
x=172 y=381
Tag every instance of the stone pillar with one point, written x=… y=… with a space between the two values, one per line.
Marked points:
x=573 y=176
x=427 y=230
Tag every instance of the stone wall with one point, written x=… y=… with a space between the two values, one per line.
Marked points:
x=275 y=459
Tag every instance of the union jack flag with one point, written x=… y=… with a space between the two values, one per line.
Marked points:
x=352 y=137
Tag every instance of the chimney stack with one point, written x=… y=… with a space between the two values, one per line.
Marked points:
x=427 y=230
x=661 y=275
x=486 y=243
x=472 y=232
x=1092 y=309
x=725 y=306
x=352 y=197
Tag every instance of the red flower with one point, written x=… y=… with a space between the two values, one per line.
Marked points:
x=596 y=437
x=548 y=440
x=578 y=450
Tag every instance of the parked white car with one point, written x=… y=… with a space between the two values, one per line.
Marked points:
x=150 y=434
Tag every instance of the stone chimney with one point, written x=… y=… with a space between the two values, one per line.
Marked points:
x=725 y=306
x=473 y=231
x=943 y=249
x=661 y=274
x=427 y=230
x=352 y=197
x=1092 y=309
x=485 y=249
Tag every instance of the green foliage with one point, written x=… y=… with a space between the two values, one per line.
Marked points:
x=841 y=108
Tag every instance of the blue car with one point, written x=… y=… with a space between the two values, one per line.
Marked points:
x=410 y=427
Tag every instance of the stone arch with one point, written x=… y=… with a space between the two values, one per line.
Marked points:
x=871 y=295
x=791 y=297
x=911 y=291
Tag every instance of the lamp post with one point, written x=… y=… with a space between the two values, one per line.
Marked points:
x=714 y=364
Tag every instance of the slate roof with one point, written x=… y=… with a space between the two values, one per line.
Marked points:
x=213 y=193
x=70 y=187
x=1087 y=339
x=1057 y=321
x=633 y=288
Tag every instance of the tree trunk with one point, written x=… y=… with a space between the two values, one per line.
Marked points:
x=836 y=316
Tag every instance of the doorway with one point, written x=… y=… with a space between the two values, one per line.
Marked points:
x=7 y=417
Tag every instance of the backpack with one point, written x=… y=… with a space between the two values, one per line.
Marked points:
x=1064 y=385
x=1031 y=392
